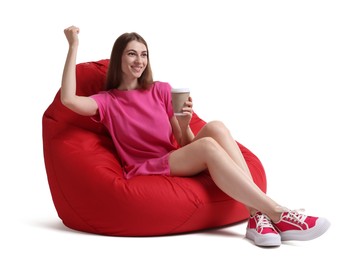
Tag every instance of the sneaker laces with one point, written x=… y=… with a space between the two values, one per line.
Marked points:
x=263 y=222
x=296 y=216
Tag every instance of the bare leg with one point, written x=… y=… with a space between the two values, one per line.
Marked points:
x=218 y=131
x=214 y=149
x=226 y=166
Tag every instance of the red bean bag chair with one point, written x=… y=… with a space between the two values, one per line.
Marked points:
x=90 y=193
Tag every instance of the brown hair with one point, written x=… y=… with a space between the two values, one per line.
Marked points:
x=114 y=73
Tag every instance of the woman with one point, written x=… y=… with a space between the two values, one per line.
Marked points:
x=139 y=116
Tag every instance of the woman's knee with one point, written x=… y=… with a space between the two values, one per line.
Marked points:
x=193 y=157
x=216 y=127
x=208 y=145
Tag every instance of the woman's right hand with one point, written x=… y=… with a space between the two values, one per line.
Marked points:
x=71 y=35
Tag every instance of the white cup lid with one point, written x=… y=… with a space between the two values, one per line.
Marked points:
x=180 y=90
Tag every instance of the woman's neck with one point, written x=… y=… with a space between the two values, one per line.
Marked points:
x=130 y=85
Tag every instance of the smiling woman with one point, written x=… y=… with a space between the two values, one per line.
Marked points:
x=134 y=62
x=130 y=53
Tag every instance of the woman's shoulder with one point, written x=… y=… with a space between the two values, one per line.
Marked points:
x=162 y=85
x=162 y=88
x=104 y=94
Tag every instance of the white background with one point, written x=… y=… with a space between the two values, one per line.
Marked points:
x=274 y=71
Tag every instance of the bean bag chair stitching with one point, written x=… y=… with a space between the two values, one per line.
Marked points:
x=174 y=230
x=211 y=222
x=197 y=201
x=200 y=206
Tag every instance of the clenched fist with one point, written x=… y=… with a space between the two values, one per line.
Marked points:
x=71 y=34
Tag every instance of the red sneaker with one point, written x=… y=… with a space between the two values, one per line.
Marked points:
x=260 y=230
x=295 y=226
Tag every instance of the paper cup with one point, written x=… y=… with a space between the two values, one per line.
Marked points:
x=179 y=97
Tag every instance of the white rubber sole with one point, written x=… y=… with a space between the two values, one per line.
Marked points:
x=320 y=228
x=263 y=240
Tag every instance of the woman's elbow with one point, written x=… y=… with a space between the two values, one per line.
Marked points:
x=67 y=102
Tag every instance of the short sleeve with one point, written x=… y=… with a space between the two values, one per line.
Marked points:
x=100 y=98
x=166 y=92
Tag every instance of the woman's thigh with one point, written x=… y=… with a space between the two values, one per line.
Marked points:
x=191 y=159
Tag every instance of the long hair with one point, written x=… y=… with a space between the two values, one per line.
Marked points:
x=114 y=73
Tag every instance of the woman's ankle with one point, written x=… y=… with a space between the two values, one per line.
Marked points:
x=277 y=213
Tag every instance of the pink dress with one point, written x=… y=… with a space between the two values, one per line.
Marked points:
x=139 y=124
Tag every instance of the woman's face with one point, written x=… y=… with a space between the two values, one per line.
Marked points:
x=134 y=60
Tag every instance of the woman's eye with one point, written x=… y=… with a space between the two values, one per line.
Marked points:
x=133 y=54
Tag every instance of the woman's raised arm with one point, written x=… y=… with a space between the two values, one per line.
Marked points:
x=85 y=106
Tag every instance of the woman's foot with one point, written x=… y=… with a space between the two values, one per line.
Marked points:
x=295 y=226
x=260 y=230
